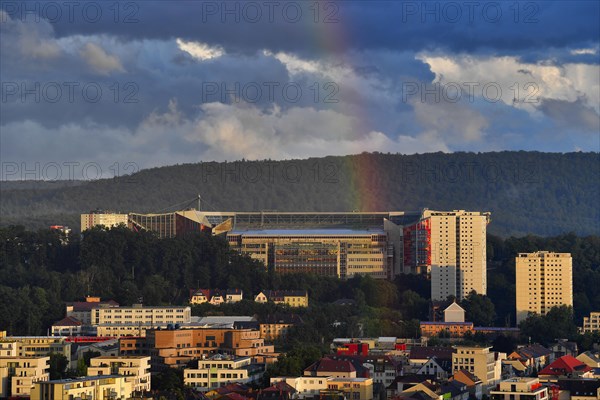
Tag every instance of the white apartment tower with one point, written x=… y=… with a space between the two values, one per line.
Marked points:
x=543 y=280
x=457 y=242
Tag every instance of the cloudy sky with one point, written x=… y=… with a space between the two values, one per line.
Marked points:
x=161 y=82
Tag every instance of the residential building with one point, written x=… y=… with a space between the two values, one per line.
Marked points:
x=591 y=323
x=136 y=369
x=451 y=247
x=426 y=390
x=380 y=367
x=405 y=382
x=133 y=345
x=454 y=390
x=277 y=391
x=420 y=355
x=68 y=326
x=441 y=369
x=590 y=359
x=533 y=357
x=232 y=391
x=351 y=388
x=479 y=361
x=9 y=349
x=454 y=313
x=220 y=370
x=106 y=219
x=82 y=310
x=454 y=324
x=305 y=386
x=19 y=374
x=104 y=387
x=175 y=348
x=136 y=319
x=447 y=329
x=543 y=280
x=562 y=347
x=277 y=326
x=520 y=389
x=139 y=314
x=330 y=367
x=121 y=330
x=565 y=367
x=216 y=296
x=577 y=389
x=474 y=384
x=108 y=347
x=34 y=346
x=292 y=298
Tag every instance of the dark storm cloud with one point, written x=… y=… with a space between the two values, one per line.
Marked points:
x=309 y=28
x=575 y=115
x=156 y=107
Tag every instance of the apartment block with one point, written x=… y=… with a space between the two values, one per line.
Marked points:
x=34 y=346
x=174 y=348
x=138 y=314
x=591 y=323
x=520 y=389
x=136 y=369
x=135 y=320
x=220 y=370
x=480 y=362
x=111 y=387
x=543 y=280
x=82 y=310
x=451 y=247
x=276 y=326
x=19 y=374
x=106 y=219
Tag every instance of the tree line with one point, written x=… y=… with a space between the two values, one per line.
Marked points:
x=39 y=273
x=526 y=192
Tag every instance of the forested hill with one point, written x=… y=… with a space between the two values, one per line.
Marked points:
x=526 y=192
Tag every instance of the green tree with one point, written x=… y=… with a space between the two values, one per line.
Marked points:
x=479 y=309
x=82 y=368
x=58 y=366
x=557 y=323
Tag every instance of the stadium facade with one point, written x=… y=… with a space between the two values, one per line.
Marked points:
x=448 y=245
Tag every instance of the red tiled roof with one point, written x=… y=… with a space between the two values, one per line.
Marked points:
x=331 y=365
x=235 y=396
x=280 y=387
x=425 y=353
x=68 y=321
x=564 y=365
x=88 y=305
x=468 y=375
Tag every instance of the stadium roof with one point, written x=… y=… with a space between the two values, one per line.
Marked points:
x=311 y=232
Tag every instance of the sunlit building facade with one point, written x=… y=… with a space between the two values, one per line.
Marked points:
x=543 y=280
x=449 y=245
x=106 y=219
